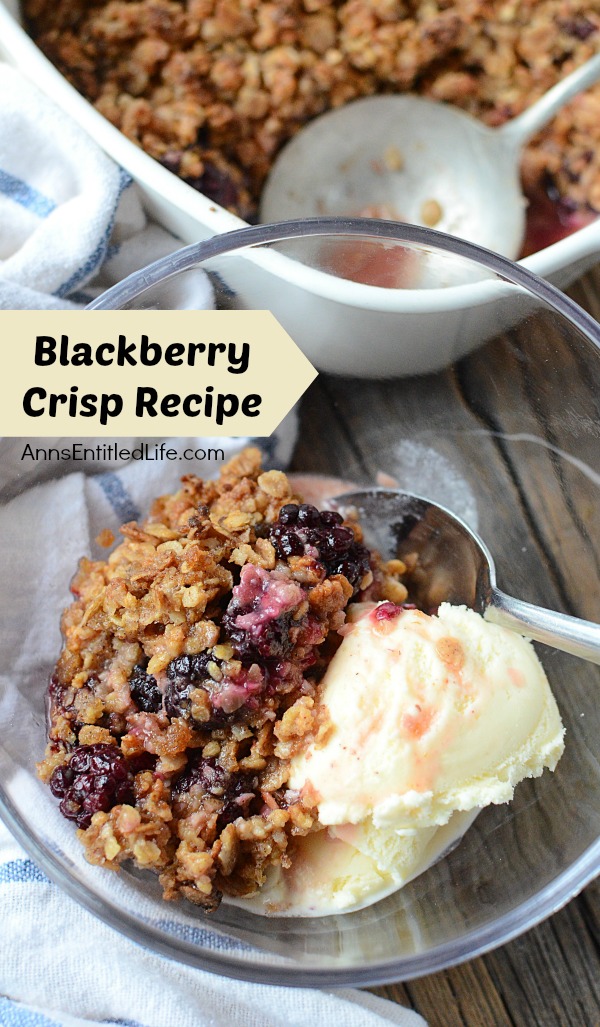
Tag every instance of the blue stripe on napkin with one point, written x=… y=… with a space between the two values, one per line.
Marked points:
x=118 y=497
x=20 y=870
x=25 y=195
x=122 y=1023
x=200 y=936
x=97 y=256
x=24 y=871
x=13 y=1014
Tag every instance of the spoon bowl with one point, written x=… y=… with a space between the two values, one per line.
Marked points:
x=408 y=158
x=454 y=565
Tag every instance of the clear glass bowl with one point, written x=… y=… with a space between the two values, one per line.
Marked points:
x=344 y=296
x=507 y=437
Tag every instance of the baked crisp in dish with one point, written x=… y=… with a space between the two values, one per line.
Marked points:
x=214 y=88
x=188 y=679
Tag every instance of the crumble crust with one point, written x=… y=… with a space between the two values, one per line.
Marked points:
x=189 y=677
x=213 y=88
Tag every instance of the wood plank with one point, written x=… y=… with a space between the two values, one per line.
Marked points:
x=550 y=975
x=460 y=997
x=552 y=448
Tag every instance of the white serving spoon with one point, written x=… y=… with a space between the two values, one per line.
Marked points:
x=410 y=159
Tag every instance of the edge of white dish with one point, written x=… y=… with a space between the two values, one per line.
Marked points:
x=190 y=214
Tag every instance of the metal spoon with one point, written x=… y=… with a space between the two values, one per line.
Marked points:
x=455 y=566
x=411 y=159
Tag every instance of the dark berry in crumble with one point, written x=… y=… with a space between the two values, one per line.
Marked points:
x=186 y=673
x=260 y=619
x=230 y=697
x=220 y=181
x=205 y=772
x=96 y=778
x=237 y=791
x=144 y=690
x=579 y=27
x=305 y=531
x=270 y=640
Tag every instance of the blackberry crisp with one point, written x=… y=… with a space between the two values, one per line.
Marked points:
x=189 y=676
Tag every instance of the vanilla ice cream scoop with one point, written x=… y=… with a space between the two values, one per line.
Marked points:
x=430 y=718
x=429 y=715
x=343 y=869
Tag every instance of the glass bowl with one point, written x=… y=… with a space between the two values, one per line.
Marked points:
x=342 y=298
x=507 y=437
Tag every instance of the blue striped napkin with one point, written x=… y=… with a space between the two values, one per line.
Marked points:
x=71 y=220
x=58 y=964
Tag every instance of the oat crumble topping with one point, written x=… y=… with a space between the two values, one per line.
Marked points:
x=189 y=677
x=213 y=88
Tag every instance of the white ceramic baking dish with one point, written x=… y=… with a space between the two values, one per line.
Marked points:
x=442 y=330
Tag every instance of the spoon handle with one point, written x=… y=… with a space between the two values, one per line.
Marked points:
x=525 y=125
x=570 y=634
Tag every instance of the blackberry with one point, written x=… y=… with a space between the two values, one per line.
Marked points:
x=143 y=761
x=240 y=800
x=58 y=706
x=305 y=530
x=144 y=690
x=219 y=180
x=231 y=698
x=186 y=673
x=578 y=28
x=267 y=641
x=96 y=778
x=259 y=620
x=203 y=771
x=218 y=185
x=237 y=791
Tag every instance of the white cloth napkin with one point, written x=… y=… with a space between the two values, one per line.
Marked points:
x=61 y=966
x=58 y=964
x=71 y=220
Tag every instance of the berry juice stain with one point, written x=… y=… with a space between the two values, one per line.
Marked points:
x=550 y=218
x=371 y=263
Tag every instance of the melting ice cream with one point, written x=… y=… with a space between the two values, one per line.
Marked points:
x=431 y=719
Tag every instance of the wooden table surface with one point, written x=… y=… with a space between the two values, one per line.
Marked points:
x=550 y=976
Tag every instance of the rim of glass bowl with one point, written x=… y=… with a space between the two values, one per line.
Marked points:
x=470 y=945
x=473 y=943
x=258 y=238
